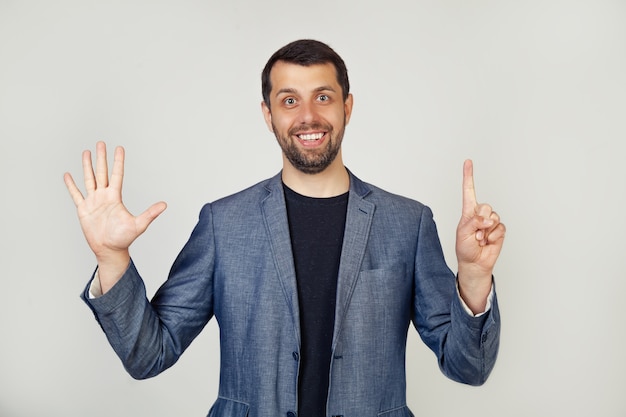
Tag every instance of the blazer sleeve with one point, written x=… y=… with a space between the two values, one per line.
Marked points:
x=466 y=347
x=150 y=336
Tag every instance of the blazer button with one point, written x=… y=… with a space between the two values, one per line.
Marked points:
x=291 y=414
x=296 y=357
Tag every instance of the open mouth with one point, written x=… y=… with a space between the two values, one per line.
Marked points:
x=311 y=136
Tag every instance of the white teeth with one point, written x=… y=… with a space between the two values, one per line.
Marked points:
x=311 y=136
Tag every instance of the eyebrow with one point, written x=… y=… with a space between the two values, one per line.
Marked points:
x=294 y=91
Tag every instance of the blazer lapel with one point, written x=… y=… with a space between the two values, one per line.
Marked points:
x=275 y=215
x=358 y=222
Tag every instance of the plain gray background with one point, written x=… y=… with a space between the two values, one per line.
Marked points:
x=534 y=92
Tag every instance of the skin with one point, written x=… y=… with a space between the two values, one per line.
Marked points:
x=303 y=101
x=479 y=239
x=108 y=226
x=308 y=100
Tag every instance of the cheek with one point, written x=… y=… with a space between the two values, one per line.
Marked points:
x=337 y=114
x=283 y=123
x=337 y=119
x=281 y=127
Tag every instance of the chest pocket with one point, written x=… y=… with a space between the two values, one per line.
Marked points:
x=397 y=412
x=228 y=408
x=387 y=290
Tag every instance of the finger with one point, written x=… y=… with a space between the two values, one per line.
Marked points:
x=75 y=193
x=145 y=218
x=117 y=174
x=474 y=226
x=492 y=232
x=496 y=234
x=102 y=169
x=491 y=224
x=480 y=227
x=469 y=193
x=88 y=175
x=483 y=210
x=486 y=220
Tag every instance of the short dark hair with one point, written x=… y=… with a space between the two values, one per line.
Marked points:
x=305 y=52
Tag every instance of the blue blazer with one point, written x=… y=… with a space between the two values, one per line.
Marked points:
x=238 y=267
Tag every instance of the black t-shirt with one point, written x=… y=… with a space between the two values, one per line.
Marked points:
x=316 y=226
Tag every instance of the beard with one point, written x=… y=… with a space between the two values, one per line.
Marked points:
x=310 y=161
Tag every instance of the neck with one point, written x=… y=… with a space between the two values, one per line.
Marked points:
x=331 y=182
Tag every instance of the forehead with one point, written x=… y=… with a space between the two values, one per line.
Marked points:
x=285 y=75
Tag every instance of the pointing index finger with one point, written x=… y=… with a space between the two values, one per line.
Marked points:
x=469 y=193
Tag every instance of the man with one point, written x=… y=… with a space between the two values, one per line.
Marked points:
x=314 y=276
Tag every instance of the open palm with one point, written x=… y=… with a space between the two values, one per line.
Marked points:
x=106 y=223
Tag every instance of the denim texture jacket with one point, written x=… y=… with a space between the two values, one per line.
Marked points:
x=238 y=267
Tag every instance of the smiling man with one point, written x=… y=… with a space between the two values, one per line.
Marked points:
x=315 y=281
x=308 y=113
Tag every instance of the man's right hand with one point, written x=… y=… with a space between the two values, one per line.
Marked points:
x=106 y=223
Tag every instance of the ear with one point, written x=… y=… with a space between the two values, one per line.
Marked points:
x=347 y=107
x=267 y=114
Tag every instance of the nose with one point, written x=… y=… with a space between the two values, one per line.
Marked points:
x=307 y=113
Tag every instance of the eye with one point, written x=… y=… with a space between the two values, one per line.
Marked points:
x=323 y=97
x=289 y=101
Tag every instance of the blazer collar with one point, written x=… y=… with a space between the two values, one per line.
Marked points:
x=274 y=185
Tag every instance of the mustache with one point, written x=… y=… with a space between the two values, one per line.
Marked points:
x=307 y=128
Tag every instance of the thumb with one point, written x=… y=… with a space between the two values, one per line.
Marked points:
x=147 y=217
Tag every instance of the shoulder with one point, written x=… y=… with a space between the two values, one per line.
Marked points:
x=254 y=193
x=245 y=199
x=385 y=200
x=392 y=215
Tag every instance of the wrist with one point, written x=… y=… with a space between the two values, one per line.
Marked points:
x=111 y=267
x=474 y=287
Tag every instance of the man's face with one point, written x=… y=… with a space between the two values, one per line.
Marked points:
x=308 y=115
